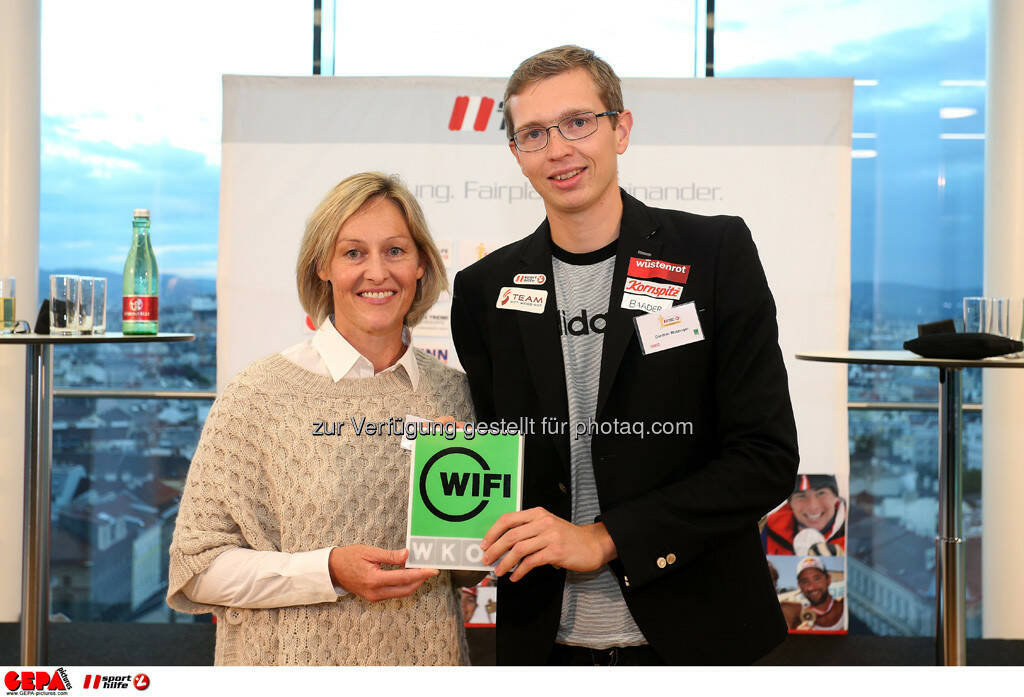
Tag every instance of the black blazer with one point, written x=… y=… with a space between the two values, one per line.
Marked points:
x=692 y=500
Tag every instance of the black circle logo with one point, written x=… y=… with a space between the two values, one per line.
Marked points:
x=456 y=517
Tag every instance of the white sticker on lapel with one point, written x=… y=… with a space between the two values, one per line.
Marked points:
x=641 y=303
x=510 y=298
x=530 y=279
x=652 y=289
x=676 y=326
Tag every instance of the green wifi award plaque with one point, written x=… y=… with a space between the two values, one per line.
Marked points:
x=458 y=487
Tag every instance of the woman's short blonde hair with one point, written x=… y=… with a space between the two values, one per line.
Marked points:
x=317 y=247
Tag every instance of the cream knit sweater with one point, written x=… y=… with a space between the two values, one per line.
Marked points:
x=261 y=479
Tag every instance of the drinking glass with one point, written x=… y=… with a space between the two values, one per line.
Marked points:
x=1015 y=322
x=86 y=304
x=99 y=315
x=977 y=315
x=7 y=305
x=999 y=319
x=65 y=295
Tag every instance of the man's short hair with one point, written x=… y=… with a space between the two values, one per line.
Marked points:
x=340 y=204
x=556 y=61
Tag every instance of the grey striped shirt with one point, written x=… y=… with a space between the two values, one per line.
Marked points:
x=594 y=613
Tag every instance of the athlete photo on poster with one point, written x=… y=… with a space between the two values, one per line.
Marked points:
x=480 y=603
x=811 y=592
x=811 y=522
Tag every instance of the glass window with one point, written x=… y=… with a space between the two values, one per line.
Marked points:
x=131 y=118
x=917 y=199
x=652 y=39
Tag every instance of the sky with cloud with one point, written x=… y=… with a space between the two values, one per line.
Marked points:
x=131 y=99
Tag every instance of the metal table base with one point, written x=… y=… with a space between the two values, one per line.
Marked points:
x=950 y=633
x=35 y=564
x=950 y=574
x=35 y=557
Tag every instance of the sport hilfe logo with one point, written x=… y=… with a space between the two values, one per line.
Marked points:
x=477 y=109
x=140 y=681
x=456 y=483
x=530 y=279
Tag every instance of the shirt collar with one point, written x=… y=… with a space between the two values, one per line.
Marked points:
x=343 y=360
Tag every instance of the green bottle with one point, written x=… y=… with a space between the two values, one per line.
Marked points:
x=141 y=282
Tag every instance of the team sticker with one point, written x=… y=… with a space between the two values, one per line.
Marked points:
x=523 y=299
x=639 y=293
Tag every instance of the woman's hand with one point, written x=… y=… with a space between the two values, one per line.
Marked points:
x=356 y=568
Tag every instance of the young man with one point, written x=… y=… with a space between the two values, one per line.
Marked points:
x=650 y=464
x=812 y=521
x=824 y=613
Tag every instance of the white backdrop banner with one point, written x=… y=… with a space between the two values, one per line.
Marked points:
x=774 y=151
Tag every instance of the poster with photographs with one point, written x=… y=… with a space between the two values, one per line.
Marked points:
x=480 y=603
x=804 y=539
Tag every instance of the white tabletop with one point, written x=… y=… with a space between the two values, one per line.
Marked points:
x=107 y=338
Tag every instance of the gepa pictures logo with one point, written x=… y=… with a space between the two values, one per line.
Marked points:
x=37 y=682
x=474 y=114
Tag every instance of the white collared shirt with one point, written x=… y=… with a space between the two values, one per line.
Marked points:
x=329 y=353
x=243 y=577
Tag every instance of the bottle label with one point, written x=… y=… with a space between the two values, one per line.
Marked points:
x=139 y=308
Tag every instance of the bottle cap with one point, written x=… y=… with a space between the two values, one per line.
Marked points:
x=140 y=213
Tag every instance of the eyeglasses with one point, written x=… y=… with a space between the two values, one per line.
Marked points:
x=533 y=138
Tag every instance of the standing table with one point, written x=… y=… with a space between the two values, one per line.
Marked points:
x=950 y=636
x=35 y=566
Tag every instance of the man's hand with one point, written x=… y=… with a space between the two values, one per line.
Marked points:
x=356 y=568
x=535 y=537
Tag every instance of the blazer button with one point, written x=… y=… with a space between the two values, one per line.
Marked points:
x=625 y=580
x=662 y=563
x=670 y=558
x=561 y=487
x=234 y=616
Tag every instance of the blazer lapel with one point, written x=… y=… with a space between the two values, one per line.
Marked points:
x=638 y=237
x=542 y=342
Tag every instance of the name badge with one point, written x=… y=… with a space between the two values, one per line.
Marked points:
x=522 y=299
x=667 y=329
x=641 y=303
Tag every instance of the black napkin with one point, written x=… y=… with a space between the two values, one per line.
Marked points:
x=964 y=346
x=43 y=318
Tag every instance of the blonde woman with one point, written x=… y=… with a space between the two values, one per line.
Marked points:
x=293 y=540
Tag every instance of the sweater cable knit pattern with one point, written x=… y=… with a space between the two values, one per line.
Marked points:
x=261 y=479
